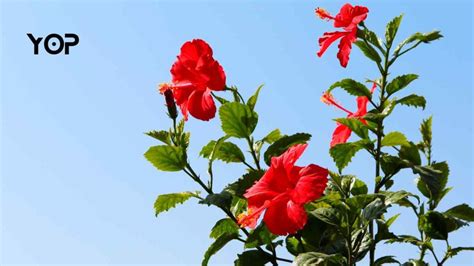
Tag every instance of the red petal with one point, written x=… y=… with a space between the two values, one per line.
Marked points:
x=201 y=105
x=311 y=184
x=345 y=47
x=327 y=39
x=341 y=135
x=285 y=217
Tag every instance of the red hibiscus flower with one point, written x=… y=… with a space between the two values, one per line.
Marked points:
x=194 y=75
x=282 y=192
x=348 y=18
x=342 y=133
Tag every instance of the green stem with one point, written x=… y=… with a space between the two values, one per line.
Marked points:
x=254 y=153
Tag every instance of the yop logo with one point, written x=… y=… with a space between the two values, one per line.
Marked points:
x=54 y=43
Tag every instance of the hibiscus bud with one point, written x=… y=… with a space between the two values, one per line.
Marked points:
x=166 y=90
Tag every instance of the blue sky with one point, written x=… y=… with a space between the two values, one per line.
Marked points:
x=75 y=186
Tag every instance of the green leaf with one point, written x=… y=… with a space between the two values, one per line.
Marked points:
x=451 y=252
x=434 y=177
x=406 y=239
x=293 y=245
x=253 y=99
x=252 y=258
x=371 y=37
x=355 y=125
x=434 y=225
x=374 y=210
x=422 y=37
x=342 y=153
x=413 y=262
x=222 y=200
x=391 y=164
x=413 y=100
x=239 y=187
x=259 y=236
x=166 y=158
x=410 y=153
x=227 y=152
x=386 y=260
x=400 y=83
x=283 y=144
x=358 y=187
x=328 y=215
x=220 y=99
x=391 y=30
x=368 y=51
x=272 y=136
x=167 y=201
x=426 y=132
x=220 y=242
x=238 y=120
x=394 y=138
x=462 y=211
x=352 y=87
x=162 y=135
x=316 y=258
x=224 y=226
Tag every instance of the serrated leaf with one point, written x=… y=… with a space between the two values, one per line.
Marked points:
x=400 y=83
x=368 y=51
x=394 y=138
x=391 y=164
x=374 y=210
x=410 y=153
x=371 y=37
x=462 y=211
x=386 y=260
x=253 y=99
x=282 y=144
x=434 y=177
x=422 y=37
x=227 y=152
x=272 y=136
x=237 y=119
x=352 y=87
x=259 y=236
x=342 y=153
x=220 y=242
x=166 y=158
x=434 y=225
x=161 y=135
x=224 y=226
x=222 y=200
x=316 y=258
x=451 y=252
x=240 y=186
x=391 y=30
x=328 y=215
x=413 y=100
x=358 y=187
x=252 y=258
x=167 y=201
x=355 y=125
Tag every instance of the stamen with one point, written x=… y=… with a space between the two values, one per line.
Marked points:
x=323 y=14
x=328 y=99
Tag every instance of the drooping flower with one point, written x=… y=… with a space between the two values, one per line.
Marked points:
x=195 y=74
x=348 y=18
x=342 y=133
x=282 y=193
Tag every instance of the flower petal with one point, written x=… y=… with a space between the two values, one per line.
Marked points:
x=345 y=47
x=341 y=134
x=327 y=39
x=311 y=184
x=201 y=105
x=285 y=217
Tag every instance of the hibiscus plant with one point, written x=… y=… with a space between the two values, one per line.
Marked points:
x=321 y=217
